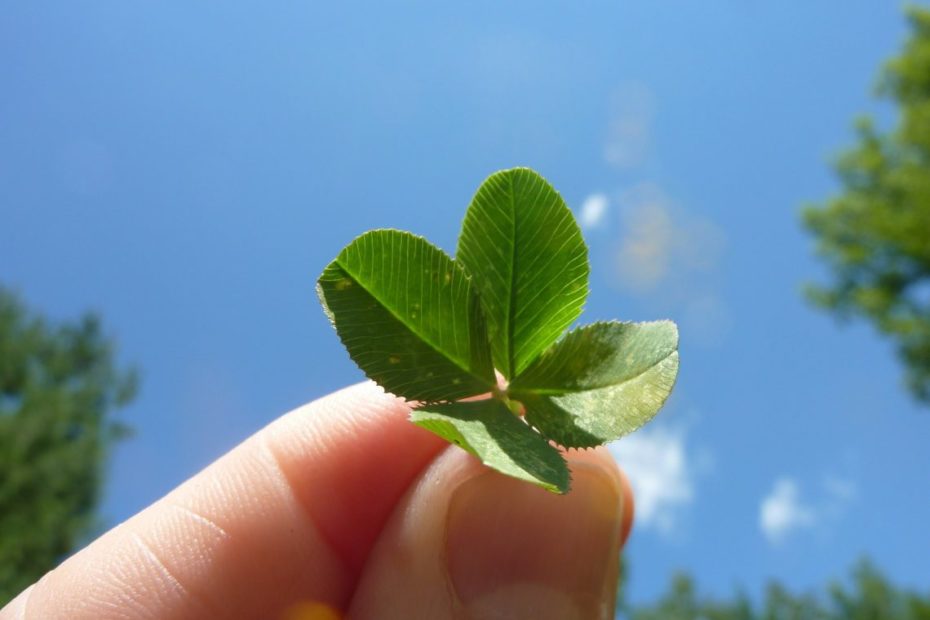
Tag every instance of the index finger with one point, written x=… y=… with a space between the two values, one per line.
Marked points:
x=288 y=517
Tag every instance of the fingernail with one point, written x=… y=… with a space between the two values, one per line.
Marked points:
x=517 y=551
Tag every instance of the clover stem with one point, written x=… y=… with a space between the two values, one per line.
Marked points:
x=500 y=393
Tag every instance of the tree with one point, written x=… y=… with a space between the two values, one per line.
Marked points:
x=867 y=596
x=875 y=235
x=681 y=602
x=872 y=596
x=59 y=385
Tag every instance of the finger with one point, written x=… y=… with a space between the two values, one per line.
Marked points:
x=287 y=518
x=470 y=542
x=629 y=508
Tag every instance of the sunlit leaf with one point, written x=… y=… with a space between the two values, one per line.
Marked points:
x=490 y=431
x=523 y=248
x=600 y=382
x=408 y=316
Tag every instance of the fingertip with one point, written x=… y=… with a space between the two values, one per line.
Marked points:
x=602 y=457
x=473 y=539
x=629 y=508
x=348 y=458
x=16 y=609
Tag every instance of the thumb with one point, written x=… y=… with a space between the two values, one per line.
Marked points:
x=469 y=542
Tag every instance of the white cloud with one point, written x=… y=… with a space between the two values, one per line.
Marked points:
x=663 y=253
x=645 y=254
x=629 y=131
x=671 y=257
x=782 y=511
x=661 y=242
x=840 y=494
x=593 y=210
x=661 y=472
x=840 y=489
x=706 y=317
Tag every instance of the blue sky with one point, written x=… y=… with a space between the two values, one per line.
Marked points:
x=187 y=170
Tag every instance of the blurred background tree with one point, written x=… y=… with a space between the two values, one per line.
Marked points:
x=867 y=596
x=875 y=235
x=59 y=385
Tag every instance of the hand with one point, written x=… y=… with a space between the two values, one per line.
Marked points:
x=342 y=508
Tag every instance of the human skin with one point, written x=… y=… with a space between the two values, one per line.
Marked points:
x=343 y=509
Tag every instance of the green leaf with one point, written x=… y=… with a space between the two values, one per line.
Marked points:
x=523 y=248
x=503 y=441
x=409 y=317
x=600 y=382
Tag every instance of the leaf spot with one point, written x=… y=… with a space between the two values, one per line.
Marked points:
x=394 y=359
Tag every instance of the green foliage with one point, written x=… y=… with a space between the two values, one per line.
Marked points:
x=523 y=248
x=427 y=327
x=490 y=431
x=409 y=317
x=875 y=235
x=600 y=381
x=867 y=596
x=58 y=383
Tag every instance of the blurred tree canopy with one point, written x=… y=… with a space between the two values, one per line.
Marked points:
x=867 y=596
x=58 y=386
x=875 y=235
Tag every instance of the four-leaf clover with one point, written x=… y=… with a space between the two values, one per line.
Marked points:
x=433 y=330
